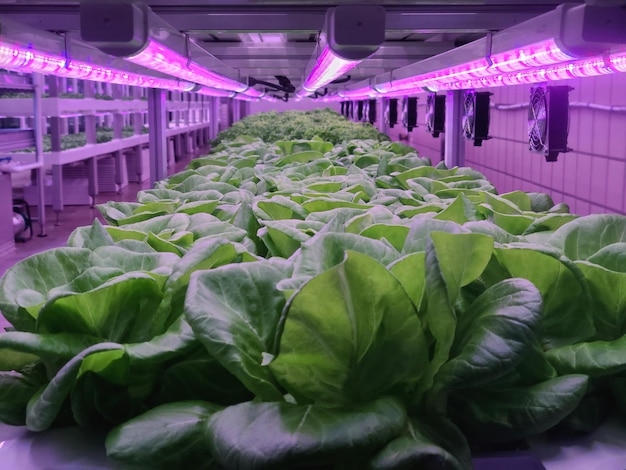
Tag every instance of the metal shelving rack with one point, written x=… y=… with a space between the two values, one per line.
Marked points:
x=15 y=139
x=187 y=121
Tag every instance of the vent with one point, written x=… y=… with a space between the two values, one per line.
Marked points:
x=435 y=114
x=548 y=121
x=409 y=113
x=371 y=111
x=476 y=116
x=391 y=112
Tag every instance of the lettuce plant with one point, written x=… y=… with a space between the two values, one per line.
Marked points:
x=302 y=303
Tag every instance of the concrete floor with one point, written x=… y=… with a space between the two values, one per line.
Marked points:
x=58 y=230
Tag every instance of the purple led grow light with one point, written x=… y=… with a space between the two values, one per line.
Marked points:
x=215 y=92
x=618 y=61
x=329 y=67
x=535 y=55
x=156 y=56
x=538 y=55
x=242 y=97
x=590 y=67
x=29 y=60
x=359 y=93
x=252 y=93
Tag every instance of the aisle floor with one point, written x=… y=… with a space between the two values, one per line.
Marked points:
x=58 y=230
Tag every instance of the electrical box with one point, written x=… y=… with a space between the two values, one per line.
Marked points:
x=115 y=27
x=355 y=31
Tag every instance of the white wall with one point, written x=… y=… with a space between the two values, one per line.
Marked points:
x=590 y=179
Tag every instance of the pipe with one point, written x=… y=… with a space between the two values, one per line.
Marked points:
x=575 y=104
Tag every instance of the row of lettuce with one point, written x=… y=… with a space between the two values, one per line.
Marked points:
x=304 y=304
x=325 y=123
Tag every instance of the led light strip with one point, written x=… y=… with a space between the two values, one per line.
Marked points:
x=156 y=56
x=215 y=92
x=29 y=60
x=359 y=93
x=538 y=55
x=591 y=67
x=329 y=67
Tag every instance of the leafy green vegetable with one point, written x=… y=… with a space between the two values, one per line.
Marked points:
x=351 y=334
x=281 y=435
x=323 y=298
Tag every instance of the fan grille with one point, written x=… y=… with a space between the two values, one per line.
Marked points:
x=430 y=113
x=469 y=116
x=538 y=120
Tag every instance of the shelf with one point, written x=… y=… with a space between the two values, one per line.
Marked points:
x=77 y=154
x=15 y=82
x=18 y=167
x=15 y=139
x=71 y=107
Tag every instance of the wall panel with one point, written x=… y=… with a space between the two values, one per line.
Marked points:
x=591 y=178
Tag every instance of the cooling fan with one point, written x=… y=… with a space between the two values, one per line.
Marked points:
x=435 y=114
x=476 y=116
x=548 y=121
x=371 y=111
x=391 y=112
x=359 y=110
x=366 y=111
x=409 y=113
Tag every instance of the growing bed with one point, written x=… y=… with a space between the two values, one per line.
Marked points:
x=309 y=304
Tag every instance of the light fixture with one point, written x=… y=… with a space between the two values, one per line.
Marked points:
x=303 y=93
x=329 y=67
x=215 y=92
x=352 y=33
x=541 y=54
x=21 y=59
x=252 y=93
x=241 y=97
x=565 y=42
x=591 y=67
x=132 y=31
x=156 y=56
x=358 y=93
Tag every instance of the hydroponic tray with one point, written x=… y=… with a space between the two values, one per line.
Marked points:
x=75 y=448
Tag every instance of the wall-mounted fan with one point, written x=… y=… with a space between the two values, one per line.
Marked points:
x=409 y=113
x=435 y=113
x=371 y=111
x=391 y=111
x=548 y=121
x=476 y=116
x=366 y=110
x=360 y=105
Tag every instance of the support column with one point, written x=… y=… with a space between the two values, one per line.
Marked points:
x=157 y=115
x=40 y=173
x=236 y=110
x=92 y=163
x=118 y=125
x=54 y=89
x=214 y=117
x=380 y=115
x=453 y=135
